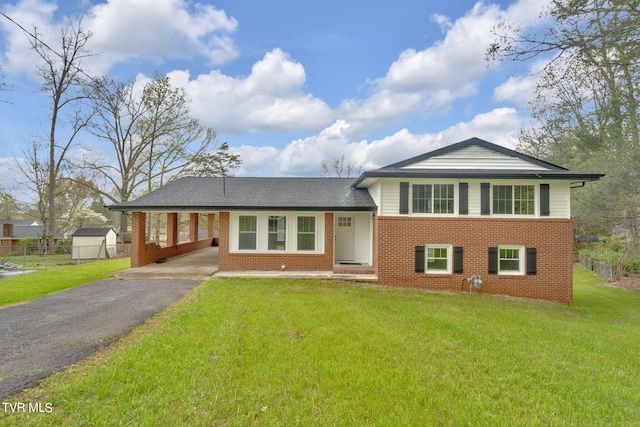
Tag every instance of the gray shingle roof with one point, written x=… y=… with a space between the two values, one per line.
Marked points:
x=242 y=193
x=91 y=231
x=548 y=170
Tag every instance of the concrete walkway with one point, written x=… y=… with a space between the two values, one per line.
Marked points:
x=329 y=275
x=203 y=264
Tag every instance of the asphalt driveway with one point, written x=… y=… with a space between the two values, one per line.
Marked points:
x=46 y=335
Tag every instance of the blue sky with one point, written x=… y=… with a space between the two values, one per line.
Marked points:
x=290 y=83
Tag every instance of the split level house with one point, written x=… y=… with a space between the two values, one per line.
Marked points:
x=470 y=210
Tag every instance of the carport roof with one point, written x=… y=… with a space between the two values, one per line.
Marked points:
x=244 y=193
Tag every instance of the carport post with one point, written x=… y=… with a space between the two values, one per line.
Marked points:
x=193 y=227
x=172 y=229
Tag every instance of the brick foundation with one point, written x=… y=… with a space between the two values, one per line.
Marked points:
x=553 y=238
x=274 y=261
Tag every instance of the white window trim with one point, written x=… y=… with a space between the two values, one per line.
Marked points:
x=521 y=257
x=449 y=249
x=456 y=197
x=262 y=230
x=536 y=199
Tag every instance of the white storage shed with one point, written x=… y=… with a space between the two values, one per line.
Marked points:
x=94 y=243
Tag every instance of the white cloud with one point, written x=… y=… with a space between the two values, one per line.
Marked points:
x=256 y=161
x=517 y=89
x=453 y=62
x=303 y=156
x=271 y=98
x=28 y=13
x=168 y=28
x=426 y=82
x=126 y=30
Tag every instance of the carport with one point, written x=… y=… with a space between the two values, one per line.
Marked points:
x=198 y=265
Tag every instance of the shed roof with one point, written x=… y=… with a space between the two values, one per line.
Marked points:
x=245 y=193
x=91 y=231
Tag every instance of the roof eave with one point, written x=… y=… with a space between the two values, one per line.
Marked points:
x=538 y=175
x=241 y=208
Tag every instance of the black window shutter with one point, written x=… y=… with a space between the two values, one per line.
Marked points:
x=463 y=207
x=419 y=259
x=493 y=260
x=544 y=200
x=457 y=259
x=485 y=203
x=531 y=261
x=404 y=198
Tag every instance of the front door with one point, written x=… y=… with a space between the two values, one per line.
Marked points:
x=345 y=238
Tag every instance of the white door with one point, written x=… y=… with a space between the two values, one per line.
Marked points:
x=345 y=238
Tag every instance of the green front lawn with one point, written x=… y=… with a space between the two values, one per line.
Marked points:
x=286 y=352
x=25 y=287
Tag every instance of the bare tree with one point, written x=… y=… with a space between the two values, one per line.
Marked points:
x=3 y=85
x=154 y=137
x=62 y=78
x=340 y=167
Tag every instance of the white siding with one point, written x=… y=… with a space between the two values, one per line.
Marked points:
x=475 y=157
x=559 y=196
x=364 y=236
x=560 y=199
x=374 y=191
x=390 y=197
x=474 y=198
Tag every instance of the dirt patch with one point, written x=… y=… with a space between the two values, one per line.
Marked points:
x=630 y=282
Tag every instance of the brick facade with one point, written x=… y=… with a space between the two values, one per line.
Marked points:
x=274 y=261
x=397 y=238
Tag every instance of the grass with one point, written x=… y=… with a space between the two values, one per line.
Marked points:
x=284 y=352
x=25 y=287
x=40 y=262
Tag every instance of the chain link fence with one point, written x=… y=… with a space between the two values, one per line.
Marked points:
x=33 y=257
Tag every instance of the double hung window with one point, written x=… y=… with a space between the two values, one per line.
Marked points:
x=277 y=233
x=306 y=233
x=433 y=198
x=248 y=231
x=438 y=259
x=514 y=199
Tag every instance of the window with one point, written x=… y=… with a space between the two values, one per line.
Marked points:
x=516 y=199
x=443 y=198
x=247 y=237
x=523 y=199
x=307 y=233
x=502 y=199
x=436 y=198
x=277 y=233
x=510 y=260
x=344 y=221
x=421 y=198
x=438 y=259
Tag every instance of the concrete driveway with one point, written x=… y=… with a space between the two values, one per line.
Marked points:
x=46 y=335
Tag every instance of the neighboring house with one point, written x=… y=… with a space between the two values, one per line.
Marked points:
x=433 y=221
x=94 y=243
x=15 y=230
